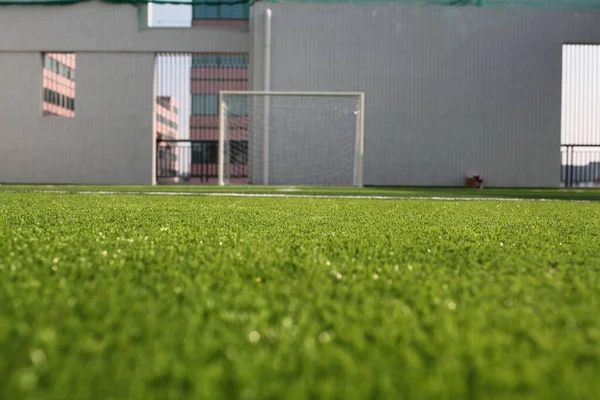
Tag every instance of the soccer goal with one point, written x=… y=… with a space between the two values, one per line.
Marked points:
x=291 y=138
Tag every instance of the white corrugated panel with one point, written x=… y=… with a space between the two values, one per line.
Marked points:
x=581 y=94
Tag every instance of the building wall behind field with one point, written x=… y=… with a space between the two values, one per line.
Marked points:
x=108 y=141
x=111 y=139
x=449 y=90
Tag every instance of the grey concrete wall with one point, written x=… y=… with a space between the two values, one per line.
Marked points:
x=97 y=26
x=449 y=90
x=111 y=138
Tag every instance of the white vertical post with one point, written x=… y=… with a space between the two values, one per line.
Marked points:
x=154 y=134
x=222 y=120
x=267 y=102
x=356 y=144
x=149 y=14
x=360 y=138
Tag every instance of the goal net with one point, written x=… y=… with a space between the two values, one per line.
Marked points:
x=291 y=138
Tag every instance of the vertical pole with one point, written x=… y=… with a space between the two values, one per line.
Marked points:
x=571 y=166
x=568 y=167
x=360 y=133
x=222 y=119
x=267 y=102
x=155 y=161
x=356 y=144
x=564 y=162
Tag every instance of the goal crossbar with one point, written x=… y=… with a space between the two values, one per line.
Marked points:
x=305 y=94
x=223 y=122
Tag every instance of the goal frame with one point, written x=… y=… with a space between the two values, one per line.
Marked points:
x=359 y=134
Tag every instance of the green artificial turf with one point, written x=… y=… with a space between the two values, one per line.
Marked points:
x=189 y=297
x=586 y=194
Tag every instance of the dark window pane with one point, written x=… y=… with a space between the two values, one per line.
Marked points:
x=238 y=152
x=206 y=152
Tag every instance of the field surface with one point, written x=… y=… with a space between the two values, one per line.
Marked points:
x=587 y=194
x=199 y=297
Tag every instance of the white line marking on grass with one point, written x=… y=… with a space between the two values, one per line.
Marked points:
x=278 y=195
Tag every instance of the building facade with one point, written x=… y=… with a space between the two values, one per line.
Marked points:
x=58 y=74
x=211 y=73
x=225 y=14
x=167 y=128
x=449 y=90
x=112 y=137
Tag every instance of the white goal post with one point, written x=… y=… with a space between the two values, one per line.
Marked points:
x=291 y=138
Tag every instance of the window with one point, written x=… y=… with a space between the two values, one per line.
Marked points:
x=58 y=84
x=208 y=104
x=205 y=12
x=205 y=152
x=239 y=107
x=223 y=61
x=205 y=60
x=59 y=100
x=165 y=121
x=238 y=61
x=222 y=11
x=52 y=64
x=238 y=152
x=205 y=104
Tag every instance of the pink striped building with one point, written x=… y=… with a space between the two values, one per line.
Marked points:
x=167 y=128
x=58 y=83
x=210 y=74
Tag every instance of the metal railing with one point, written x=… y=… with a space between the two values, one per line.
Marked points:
x=194 y=161
x=580 y=165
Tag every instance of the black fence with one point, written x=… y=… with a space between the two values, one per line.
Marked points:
x=580 y=165
x=197 y=161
